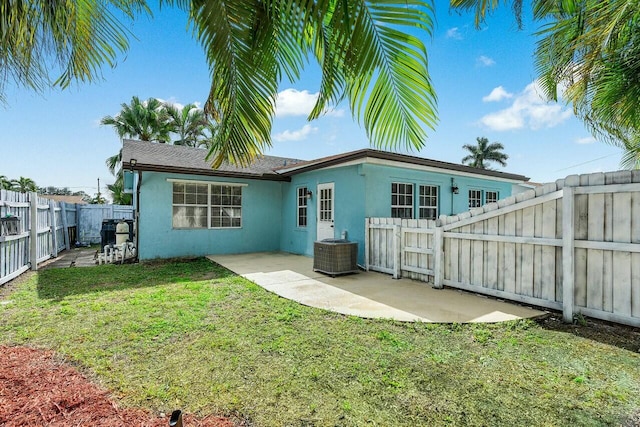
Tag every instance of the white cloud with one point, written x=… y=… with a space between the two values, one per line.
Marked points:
x=585 y=140
x=497 y=94
x=529 y=110
x=485 y=61
x=295 y=135
x=172 y=101
x=454 y=33
x=293 y=102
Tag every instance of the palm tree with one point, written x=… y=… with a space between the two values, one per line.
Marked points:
x=118 y=196
x=591 y=49
x=371 y=54
x=483 y=152
x=5 y=183
x=188 y=123
x=23 y=185
x=144 y=120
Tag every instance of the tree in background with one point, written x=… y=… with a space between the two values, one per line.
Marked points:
x=370 y=53
x=143 y=120
x=23 y=185
x=188 y=124
x=5 y=183
x=589 y=55
x=155 y=121
x=482 y=153
x=118 y=196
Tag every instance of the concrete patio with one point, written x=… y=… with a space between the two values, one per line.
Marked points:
x=367 y=294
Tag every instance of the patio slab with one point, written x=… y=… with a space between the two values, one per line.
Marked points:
x=368 y=294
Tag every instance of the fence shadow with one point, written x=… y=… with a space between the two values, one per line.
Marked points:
x=621 y=336
x=59 y=283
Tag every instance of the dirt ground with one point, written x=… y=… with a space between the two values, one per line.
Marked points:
x=36 y=389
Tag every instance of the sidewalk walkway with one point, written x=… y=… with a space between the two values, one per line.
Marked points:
x=368 y=294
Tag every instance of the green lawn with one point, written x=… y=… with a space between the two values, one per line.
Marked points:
x=192 y=335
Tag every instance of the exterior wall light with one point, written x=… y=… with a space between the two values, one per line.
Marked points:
x=309 y=194
x=455 y=188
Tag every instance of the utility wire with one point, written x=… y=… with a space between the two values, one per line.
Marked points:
x=587 y=162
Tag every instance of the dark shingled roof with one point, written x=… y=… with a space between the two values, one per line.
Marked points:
x=178 y=159
x=324 y=162
x=151 y=156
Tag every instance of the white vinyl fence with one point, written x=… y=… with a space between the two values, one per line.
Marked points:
x=35 y=229
x=572 y=245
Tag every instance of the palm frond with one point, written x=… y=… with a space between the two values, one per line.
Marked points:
x=41 y=38
x=363 y=53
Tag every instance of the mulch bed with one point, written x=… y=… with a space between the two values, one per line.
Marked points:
x=36 y=390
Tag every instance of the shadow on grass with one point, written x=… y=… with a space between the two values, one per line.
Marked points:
x=58 y=283
x=621 y=336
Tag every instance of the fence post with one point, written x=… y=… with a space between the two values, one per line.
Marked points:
x=54 y=225
x=438 y=243
x=33 y=231
x=65 y=226
x=397 y=264
x=568 y=253
x=366 y=244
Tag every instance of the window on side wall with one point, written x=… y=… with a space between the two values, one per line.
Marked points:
x=490 y=197
x=226 y=206
x=206 y=205
x=401 y=200
x=475 y=198
x=302 y=207
x=428 y=202
x=190 y=205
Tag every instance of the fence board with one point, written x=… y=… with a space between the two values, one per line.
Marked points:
x=548 y=253
x=527 y=260
x=595 y=257
x=635 y=257
x=492 y=255
x=622 y=260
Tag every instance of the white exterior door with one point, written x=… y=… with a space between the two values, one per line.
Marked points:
x=325 y=211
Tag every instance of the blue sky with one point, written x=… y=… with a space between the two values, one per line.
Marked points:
x=485 y=81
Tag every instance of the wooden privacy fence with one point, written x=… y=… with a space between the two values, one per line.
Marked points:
x=36 y=228
x=572 y=245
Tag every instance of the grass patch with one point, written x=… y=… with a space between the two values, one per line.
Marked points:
x=191 y=335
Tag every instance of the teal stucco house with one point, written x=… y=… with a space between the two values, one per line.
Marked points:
x=186 y=208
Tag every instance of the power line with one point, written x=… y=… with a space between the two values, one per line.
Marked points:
x=587 y=162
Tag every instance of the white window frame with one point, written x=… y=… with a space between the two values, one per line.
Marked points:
x=230 y=207
x=302 y=210
x=185 y=206
x=477 y=200
x=488 y=193
x=428 y=197
x=209 y=206
x=399 y=197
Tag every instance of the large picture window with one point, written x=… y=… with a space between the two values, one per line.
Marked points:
x=302 y=207
x=428 y=202
x=200 y=205
x=401 y=200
